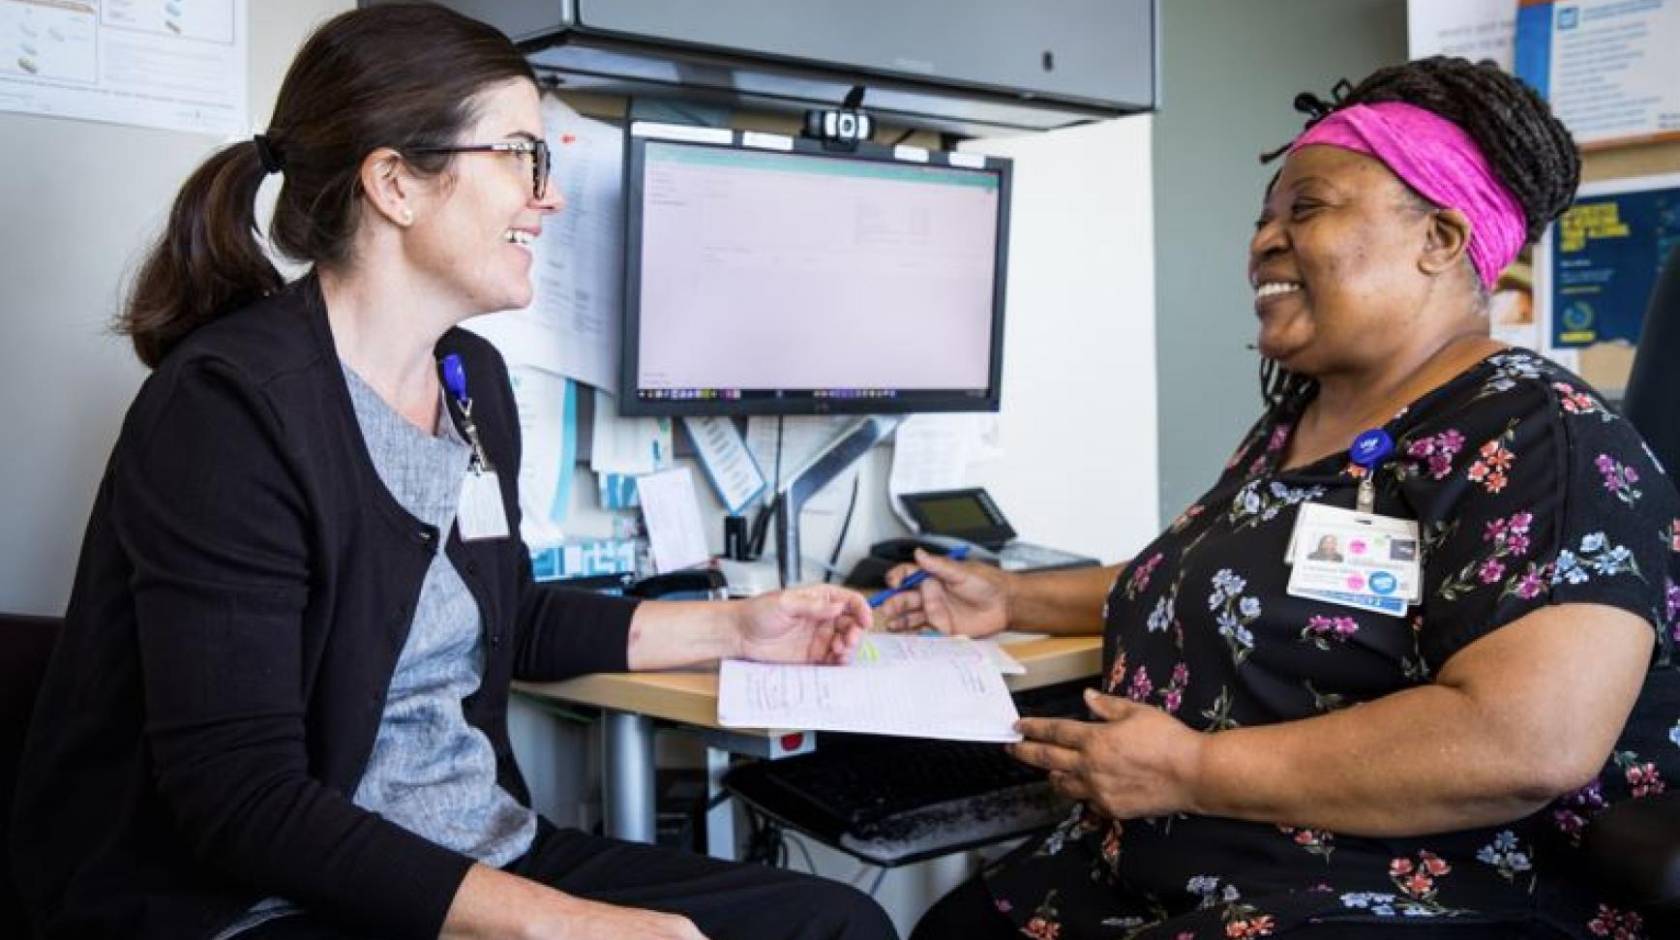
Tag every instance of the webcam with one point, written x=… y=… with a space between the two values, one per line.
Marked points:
x=841 y=126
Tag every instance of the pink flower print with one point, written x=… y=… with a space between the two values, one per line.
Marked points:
x=1509 y=536
x=1111 y=845
x=1643 y=780
x=1003 y=905
x=1672 y=594
x=1320 y=630
x=1250 y=927
x=1040 y=929
x=1621 y=925
x=1436 y=453
x=1674 y=536
x=1417 y=880
x=1574 y=402
x=1433 y=863
x=1619 y=479
x=1572 y=812
x=1280 y=437
x=1491 y=466
x=1532 y=583
x=1141 y=686
x=1189 y=514
x=1139 y=580
x=1172 y=694
x=1492 y=570
x=1242 y=928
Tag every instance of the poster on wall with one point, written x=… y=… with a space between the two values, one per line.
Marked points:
x=1607 y=66
x=1471 y=29
x=1599 y=261
x=1481 y=30
x=172 y=64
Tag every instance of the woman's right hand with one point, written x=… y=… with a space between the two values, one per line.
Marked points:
x=580 y=919
x=491 y=903
x=958 y=598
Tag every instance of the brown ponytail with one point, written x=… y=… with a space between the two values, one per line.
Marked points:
x=397 y=75
x=208 y=260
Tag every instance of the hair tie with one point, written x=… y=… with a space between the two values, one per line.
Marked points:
x=272 y=162
x=1316 y=108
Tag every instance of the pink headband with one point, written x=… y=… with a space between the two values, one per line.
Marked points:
x=1438 y=159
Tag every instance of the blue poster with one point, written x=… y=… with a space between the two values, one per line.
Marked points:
x=1606 y=251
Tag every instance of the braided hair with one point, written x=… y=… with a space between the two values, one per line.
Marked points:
x=1529 y=149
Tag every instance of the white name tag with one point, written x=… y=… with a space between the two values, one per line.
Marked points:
x=1355 y=559
x=480 y=514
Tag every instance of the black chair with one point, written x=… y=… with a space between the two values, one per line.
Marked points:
x=26 y=643
x=1632 y=850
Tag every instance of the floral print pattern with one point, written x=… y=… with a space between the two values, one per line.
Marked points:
x=1527 y=491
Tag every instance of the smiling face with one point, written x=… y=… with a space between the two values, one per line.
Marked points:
x=474 y=240
x=1335 y=263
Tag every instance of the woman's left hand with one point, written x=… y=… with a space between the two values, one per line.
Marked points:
x=1134 y=761
x=815 y=623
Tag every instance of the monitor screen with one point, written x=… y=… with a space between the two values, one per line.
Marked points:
x=781 y=278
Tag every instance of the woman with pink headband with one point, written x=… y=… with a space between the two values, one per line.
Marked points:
x=1409 y=738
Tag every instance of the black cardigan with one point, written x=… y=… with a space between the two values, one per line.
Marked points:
x=246 y=584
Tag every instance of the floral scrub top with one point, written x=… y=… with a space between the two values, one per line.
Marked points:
x=1528 y=491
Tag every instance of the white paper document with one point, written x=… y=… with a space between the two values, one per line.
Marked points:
x=672 y=510
x=572 y=324
x=732 y=470
x=802 y=436
x=931 y=452
x=548 y=427
x=178 y=66
x=954 y=699
x=631 y=446
x=1473 y=29
x=890 y=649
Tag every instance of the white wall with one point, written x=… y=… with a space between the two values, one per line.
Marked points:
x=1078 y=421
x=80 y=200
x=1230 y=71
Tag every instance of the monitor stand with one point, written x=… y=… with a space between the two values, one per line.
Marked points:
x=823 y=467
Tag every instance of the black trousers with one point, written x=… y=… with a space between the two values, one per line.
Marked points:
x=724 y=899
x=967 y=913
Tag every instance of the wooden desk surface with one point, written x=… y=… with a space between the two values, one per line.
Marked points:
x=691 y=697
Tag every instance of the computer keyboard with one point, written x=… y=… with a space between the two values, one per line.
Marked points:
x=862 y=786
x=895 y=800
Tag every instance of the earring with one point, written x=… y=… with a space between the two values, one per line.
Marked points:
x=407 y=217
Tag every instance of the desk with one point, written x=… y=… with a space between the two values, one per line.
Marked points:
x=631 y=701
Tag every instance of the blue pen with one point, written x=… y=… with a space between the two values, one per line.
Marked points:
x=916 y=577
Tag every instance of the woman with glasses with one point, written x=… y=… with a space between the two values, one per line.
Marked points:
x=278 y=707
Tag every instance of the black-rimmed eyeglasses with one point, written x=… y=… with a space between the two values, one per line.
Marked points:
x=538 y=149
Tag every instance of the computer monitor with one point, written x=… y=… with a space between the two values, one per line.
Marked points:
x=767 y=275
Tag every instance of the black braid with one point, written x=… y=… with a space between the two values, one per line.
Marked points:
x=1529 y=149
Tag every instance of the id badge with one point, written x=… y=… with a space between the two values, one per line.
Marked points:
x=480 y=514
x=1355 y=559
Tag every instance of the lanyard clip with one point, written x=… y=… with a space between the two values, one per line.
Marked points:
x=1369 y=450
x=455 y=380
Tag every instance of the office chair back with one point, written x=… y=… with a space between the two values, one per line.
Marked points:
x=26 y=643
x=1652 y=400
